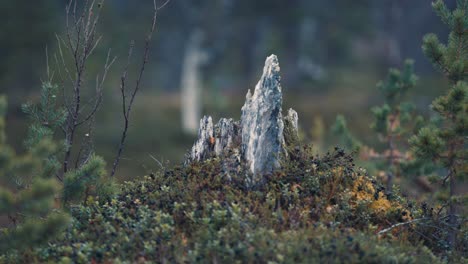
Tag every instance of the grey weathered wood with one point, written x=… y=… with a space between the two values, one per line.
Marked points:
x=226 y=135
x=291 y=128
x=202 y=147
x=215 y=140
x=259 y=139
x=262 y=121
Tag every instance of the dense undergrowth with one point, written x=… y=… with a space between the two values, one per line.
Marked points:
x=315 y=210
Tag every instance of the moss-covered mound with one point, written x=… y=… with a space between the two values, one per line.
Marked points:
x=315 y=210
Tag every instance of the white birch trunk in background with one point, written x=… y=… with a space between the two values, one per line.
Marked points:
x=191 y=86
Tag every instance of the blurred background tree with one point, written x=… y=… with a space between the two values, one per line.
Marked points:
x=29 y=212
x=395 y=120
x=331 y=53
x=444 y=143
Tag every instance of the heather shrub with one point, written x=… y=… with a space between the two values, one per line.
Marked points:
x=320 y=209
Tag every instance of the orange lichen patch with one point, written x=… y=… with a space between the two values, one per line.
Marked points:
x=406 y=215
x=363 y=190
x=381 y=204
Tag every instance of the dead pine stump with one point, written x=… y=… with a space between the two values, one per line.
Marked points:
x=259 y=140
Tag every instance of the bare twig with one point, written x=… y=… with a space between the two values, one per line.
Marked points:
x=127 y=106
x=99 y=89
x=157 y=161
x=400 y=224
x=80 y=42
x=163 y=5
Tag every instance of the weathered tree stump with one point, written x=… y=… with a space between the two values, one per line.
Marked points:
x=259 y=139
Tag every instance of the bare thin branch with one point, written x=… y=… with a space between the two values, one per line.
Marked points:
x=127 y=108
x=163 y=5
x=81 y=46
x=400 y=224
x=157 y=161
x=99 y=88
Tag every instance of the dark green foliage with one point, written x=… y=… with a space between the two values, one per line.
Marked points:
x=451 y=58
x=394 y=89
x=381 y=114
x=33 y=185
x=388 y=118
x=444 y=144
x=31 y=233
x=395 y=120
x=27 y=201
x=46 y=117
x=427 y=144
x=398 y=83
x=319 y=210
x=79 y=184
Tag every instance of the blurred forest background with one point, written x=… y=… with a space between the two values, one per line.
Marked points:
x=332 y=53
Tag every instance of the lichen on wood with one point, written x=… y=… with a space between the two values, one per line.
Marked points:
x=259 y=139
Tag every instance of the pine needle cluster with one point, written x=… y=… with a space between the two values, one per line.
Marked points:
x=35 y=192
x=28 y=194
x=444 y=143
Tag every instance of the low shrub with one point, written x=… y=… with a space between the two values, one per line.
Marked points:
x=316 y=209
